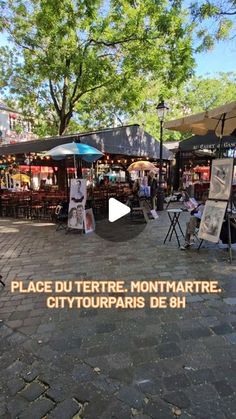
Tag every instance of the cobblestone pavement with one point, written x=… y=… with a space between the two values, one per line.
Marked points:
x=103 y=364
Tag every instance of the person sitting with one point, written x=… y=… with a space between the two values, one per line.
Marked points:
x=135 y=194
x=194 y=222
x=136 y=187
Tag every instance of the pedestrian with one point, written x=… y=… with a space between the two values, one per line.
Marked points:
x=153 y=189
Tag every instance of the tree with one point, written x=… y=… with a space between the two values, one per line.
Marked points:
x=63 y=53
x=217 y=21
x=201 y=93
x=198 y=94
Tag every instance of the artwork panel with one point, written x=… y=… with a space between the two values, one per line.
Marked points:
x=78 y=194
x=221 y=179
x=212 y=219
x=89 y=221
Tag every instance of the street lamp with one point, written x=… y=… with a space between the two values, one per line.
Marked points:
x=162 y=110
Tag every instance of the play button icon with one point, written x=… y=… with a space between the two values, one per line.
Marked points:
x=117 y=210
x=119 y=223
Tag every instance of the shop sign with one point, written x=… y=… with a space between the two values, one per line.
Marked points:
x=214 y=146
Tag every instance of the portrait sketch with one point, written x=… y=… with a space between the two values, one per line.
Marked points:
x=78 y=191
x=221 y=179
x=77 y=204
x=89 y=222
x=212 y=219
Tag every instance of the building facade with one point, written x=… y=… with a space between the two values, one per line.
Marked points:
x=14 y=127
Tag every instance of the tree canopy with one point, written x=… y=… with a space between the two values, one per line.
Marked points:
x=215 y=20
x=198 y=94
x=69 y=58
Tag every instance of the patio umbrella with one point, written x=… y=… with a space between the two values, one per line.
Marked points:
x=20 y=177
x=84 y=151
x=142 y=165
x=221 y=120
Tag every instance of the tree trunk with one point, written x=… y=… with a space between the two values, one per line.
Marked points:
x=64 y=122
x=62 y=126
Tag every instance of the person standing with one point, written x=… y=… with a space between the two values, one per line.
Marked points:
x=153 y=189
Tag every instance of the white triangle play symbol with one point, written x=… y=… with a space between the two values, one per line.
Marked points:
x=117 y=210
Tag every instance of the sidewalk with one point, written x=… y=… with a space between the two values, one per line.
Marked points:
x=90 y=363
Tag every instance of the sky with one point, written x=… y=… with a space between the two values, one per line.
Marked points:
x=222 y=58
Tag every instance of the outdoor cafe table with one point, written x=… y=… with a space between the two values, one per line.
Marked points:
x=174 y=215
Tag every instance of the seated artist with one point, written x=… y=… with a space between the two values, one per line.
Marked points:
x=194 y=222
x=134 y=197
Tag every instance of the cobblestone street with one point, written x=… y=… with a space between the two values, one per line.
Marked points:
x=124 y=363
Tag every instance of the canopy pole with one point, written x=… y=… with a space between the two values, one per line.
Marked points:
x=67 y=186
x=221 y=134
x=30 y=172
x=79 y=170
x=79 y=163
x=75 y=166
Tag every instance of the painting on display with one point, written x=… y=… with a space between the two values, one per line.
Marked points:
x=221 y=178
x=77 y=204
x=89 y=221
x=212 y=219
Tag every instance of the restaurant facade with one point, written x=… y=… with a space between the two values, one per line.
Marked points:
x=194 y=157
x=49 y=179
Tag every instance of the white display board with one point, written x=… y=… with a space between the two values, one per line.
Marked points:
x=221 y=179
x=212 y=219
x=78 y=192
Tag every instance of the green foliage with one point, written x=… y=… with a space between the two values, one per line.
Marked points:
x=214 y=20
x=81 y=65
x=196 y=95
x=91 y=59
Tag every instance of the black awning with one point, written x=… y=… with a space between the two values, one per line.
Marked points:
x=128 y=140
x=209 y=141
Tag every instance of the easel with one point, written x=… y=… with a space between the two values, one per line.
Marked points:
x=229 y=215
